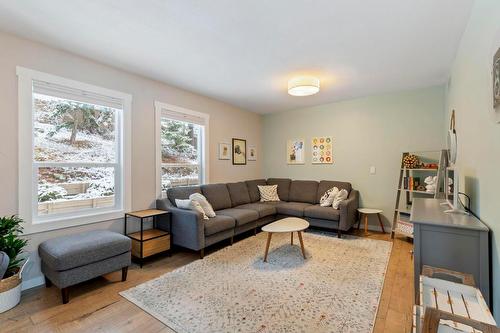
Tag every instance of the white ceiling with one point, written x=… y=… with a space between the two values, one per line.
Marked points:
x=243 y=51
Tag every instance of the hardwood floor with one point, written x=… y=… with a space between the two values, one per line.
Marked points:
x=95 y=306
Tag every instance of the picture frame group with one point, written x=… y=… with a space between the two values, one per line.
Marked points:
x=237 y=151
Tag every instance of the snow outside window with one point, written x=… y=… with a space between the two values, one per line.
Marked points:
x=182 y=143
x=77 y=150
x=74 y=154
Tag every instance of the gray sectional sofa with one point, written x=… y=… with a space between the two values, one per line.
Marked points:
x=239 y=209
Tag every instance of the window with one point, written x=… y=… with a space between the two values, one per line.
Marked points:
x=73 y=156
x=181 y=147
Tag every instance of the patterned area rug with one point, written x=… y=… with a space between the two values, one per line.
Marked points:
x=337 y=289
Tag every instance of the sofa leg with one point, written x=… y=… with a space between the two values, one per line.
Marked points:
x=124 y=273
x=48 y=283
x=65 y=295
x=339 y=233
x=255 y=231
x=232 y=240
x=202 y=253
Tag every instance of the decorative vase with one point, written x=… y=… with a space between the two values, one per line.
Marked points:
x=10 y=290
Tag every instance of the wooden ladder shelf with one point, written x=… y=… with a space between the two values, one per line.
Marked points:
x=401 y=222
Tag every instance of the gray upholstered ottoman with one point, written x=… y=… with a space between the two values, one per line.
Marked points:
x=72 y=259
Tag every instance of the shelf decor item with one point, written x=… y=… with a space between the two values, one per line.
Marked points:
x=411 y=162
x=12 y=245
x=239 y=151
x=322 y=150
x=452 y=140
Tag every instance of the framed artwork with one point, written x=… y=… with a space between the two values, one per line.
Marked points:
x=496 y=81
x=224 y=151
x=239 y=151
x=252 y=153
x=295 y=151
x=322 y=150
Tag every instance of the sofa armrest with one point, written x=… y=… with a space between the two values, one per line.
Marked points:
x=188 y=227
x=348 y=211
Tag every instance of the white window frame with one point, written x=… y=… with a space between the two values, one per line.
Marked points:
x=28 y=194
x=159 y=108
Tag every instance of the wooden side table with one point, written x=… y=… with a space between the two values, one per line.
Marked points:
x=370 y=211
x=146 y=243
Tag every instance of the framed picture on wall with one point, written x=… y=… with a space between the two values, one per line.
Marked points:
x=252 y=153
x=295 y=151
x=224 y=151
x=322 y=150
x=239 y=151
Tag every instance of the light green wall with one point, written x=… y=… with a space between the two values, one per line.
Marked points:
x=470 y=94
x=370 y=131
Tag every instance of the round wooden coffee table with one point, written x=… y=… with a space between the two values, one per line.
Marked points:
x=289 y=224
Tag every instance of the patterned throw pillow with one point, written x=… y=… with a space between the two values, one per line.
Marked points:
x=191 y=204
x=339 y=198
x=268 y=193
x=327 y=198
x=207 y=207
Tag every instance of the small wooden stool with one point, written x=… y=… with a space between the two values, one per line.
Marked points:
x=370 y=211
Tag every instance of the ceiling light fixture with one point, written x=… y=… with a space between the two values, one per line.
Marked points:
x=303 y=86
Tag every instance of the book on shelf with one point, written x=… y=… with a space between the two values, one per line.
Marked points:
x=411 y=183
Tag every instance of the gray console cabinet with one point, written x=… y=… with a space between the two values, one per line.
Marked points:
x=453 y=241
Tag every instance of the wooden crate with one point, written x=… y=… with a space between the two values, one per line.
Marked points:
x=448 y=275
x=155 y=241
x=455 y=298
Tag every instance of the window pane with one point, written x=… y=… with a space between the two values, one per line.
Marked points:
x=62 y=190
x=69 y=131
x=173 y=176
x=180 y=151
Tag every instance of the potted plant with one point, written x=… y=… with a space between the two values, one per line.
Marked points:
x=12 y=245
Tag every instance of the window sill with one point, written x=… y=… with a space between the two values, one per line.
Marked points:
x=63 y=222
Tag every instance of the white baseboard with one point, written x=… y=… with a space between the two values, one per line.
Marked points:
x=32 y=283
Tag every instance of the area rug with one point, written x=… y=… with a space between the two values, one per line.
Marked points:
x=336 y=289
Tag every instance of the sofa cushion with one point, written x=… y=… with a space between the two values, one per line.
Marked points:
x=283 y=187
x=325 y=213
x=268 y=193
x=218 y=223
x=289 y=208
x=242 y=216
x=217 y=195
x=67 y=252
x=261 y=208
x=238 y=193
x=181 y=192
x=303 y=191
x=325 y=185
x=253 y=190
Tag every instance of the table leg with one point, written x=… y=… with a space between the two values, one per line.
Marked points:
x=380 y=221
x=366 y=223
x=269 y=235
x=302 y=244
x=291 y=238
x=360 y=218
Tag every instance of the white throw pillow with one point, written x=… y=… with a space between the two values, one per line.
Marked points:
x=327 y=198
x=192 y=205
x=268 y=193
x=207 y=207
x=183 y=204
x=341 y=196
